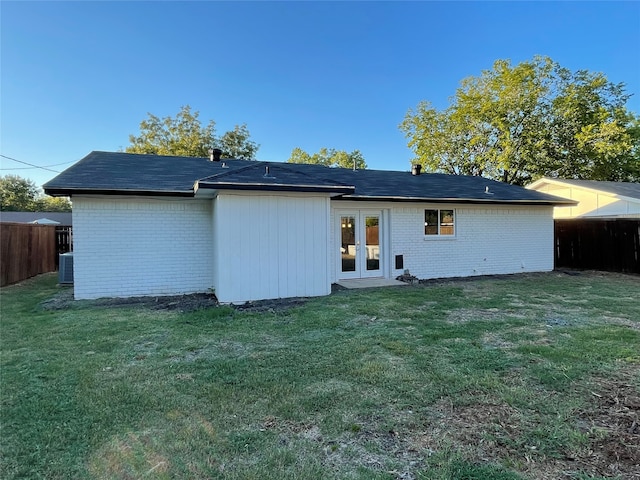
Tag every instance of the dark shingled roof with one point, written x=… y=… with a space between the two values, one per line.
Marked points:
x=124 y=173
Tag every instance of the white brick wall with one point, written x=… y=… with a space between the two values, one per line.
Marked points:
x=161 y=246
x=488 y=240
x=141 y=246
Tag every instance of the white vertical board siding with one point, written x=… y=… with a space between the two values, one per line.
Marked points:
x=270 y=246
x=488 y=240
x=127 y=247
x=215 y=238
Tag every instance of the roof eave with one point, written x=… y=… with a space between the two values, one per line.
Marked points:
x=277 y=187
x=456 y=200
x=70 y=192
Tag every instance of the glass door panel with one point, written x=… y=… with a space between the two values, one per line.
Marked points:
x=372 y=245
x=348 y=246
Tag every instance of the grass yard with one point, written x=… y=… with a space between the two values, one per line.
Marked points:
x=524 y=377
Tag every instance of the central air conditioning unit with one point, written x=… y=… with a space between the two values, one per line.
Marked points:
x=65 y=271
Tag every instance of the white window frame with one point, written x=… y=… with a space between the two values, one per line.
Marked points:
x=439 y=235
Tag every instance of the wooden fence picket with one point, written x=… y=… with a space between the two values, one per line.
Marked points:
x=26 y=250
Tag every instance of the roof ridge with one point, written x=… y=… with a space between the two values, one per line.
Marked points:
x=313 y=178
x=230 y=171
x=323 y=178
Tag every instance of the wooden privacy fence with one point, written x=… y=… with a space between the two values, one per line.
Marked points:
x=595 y=244
x=26 y=250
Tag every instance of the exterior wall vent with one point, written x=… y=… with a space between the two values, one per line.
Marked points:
x=65 y=271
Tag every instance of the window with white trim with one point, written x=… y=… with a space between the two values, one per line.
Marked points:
x=439 y=222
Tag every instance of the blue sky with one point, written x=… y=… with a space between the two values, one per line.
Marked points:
x=81 y=76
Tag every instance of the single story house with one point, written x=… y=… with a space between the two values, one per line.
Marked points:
x=595 y=199
x=42 y=218
x=251 y=230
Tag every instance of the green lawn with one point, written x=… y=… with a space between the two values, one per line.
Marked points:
x=534 y=376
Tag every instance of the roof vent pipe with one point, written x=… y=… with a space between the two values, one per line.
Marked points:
x=415 y=169
x=267 y=172
x=215 y=154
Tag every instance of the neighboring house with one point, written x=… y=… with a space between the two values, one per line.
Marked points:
x=43 y=218
x=249 y=230
x=595 y=199
x=602 y=230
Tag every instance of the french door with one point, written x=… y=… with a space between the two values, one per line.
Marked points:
x=360 y=243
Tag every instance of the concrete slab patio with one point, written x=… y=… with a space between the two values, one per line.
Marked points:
x=370 y=283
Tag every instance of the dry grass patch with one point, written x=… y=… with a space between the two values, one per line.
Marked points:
x=612 y=424
x=134 y=456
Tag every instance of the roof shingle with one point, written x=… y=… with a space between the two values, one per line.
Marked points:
x=118 y=173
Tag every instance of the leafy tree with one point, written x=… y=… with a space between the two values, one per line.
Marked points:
x=592 y=135
x=22 y=195
x=518 y=123
x=185 y=136
x=330 y=158
x=52 y=204
x=18 y=194
x=236 y=144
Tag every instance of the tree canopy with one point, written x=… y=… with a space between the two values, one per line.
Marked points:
x=518 y=123
x=185 y=136
x=22 y=195
x=330 y=158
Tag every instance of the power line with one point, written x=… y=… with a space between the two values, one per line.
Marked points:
x=56 y=164
x=18 y=168
x=30 y=164
x=31 y=168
